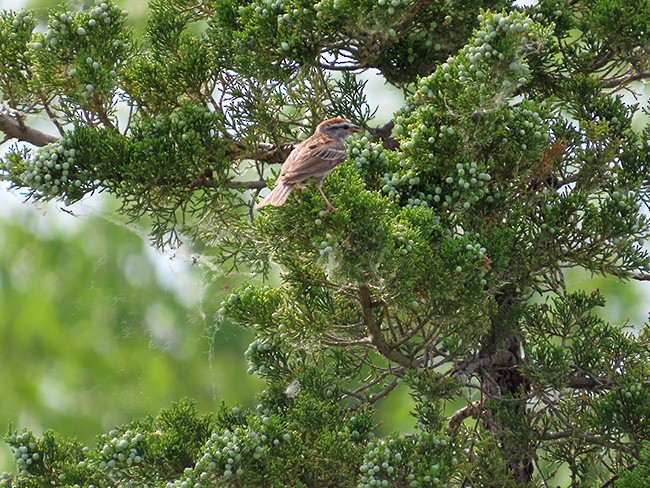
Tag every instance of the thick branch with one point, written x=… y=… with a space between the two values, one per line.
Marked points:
x=15 y=130
x=376 y=336
x=589 y=382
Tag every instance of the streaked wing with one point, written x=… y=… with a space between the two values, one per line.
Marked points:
x=312 y=162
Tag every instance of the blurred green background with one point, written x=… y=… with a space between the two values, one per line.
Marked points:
x=97 y=328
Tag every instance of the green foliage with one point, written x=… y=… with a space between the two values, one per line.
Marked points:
x=266 y=446
x=638 y=475
x=512 y=159
x=152 y=450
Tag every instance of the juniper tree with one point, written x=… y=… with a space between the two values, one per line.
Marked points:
x=513 y=159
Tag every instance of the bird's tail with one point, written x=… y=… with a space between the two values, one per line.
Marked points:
x=277 y=197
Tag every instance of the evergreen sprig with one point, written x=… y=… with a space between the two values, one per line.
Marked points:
x=513 y=158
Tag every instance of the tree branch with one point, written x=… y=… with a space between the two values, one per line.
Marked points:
x=16 y=130
x=589 y=382
x=629 y=77
x=640 y=276
x=584 y=436
x=252 y=185
x=376 y=336
x=267 y=153
x=472 y=410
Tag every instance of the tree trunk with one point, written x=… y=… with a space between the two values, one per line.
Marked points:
x=504 y=388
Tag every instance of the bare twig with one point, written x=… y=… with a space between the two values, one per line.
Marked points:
x=385 y=391
x=267 y=153
x=471 y=410
x=640 y=276
x=253 y=185
x=333 y=341
x=584 y=436
x=340 y=67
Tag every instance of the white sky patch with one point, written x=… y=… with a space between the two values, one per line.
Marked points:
x=11 y=4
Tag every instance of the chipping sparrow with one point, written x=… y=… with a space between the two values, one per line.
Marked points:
x=312 y=159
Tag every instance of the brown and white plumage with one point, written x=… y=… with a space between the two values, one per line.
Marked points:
x=312 y=159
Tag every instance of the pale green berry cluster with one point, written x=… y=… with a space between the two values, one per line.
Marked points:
x=405 y=244
x=465 y=187
x=628 y=202
x=290 y=15
x=25 y=451
x=392 y=5
x=103 y=12
x=232 y=298
x=255 y=355
x=356 y=427
x=81 y=23
x=473 y=62
x=399 y=129
x=431 y=475
x=364 y=152
x=633 y=391
x=282 y=328
x=231 y=453
x=407 y=247
x=22 y=19
x=396 y=182
x=252 y=260
x=120 y=451
x=52 y=172
x=327 y=245
x=265 y=8
x=526 y=124
x=231 y=303
x=470 y=256
x=383 y=462
x=494 y=26
x=628 y=398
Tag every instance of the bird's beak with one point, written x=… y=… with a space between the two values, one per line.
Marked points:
x=354 y=128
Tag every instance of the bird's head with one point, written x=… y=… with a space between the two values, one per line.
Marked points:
x=340 y=128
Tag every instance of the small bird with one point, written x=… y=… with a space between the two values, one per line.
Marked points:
x=312 y=159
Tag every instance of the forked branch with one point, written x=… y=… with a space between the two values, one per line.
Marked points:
x=376 y=336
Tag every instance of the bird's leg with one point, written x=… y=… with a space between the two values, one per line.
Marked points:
x=330 y=207
x=298 y=191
